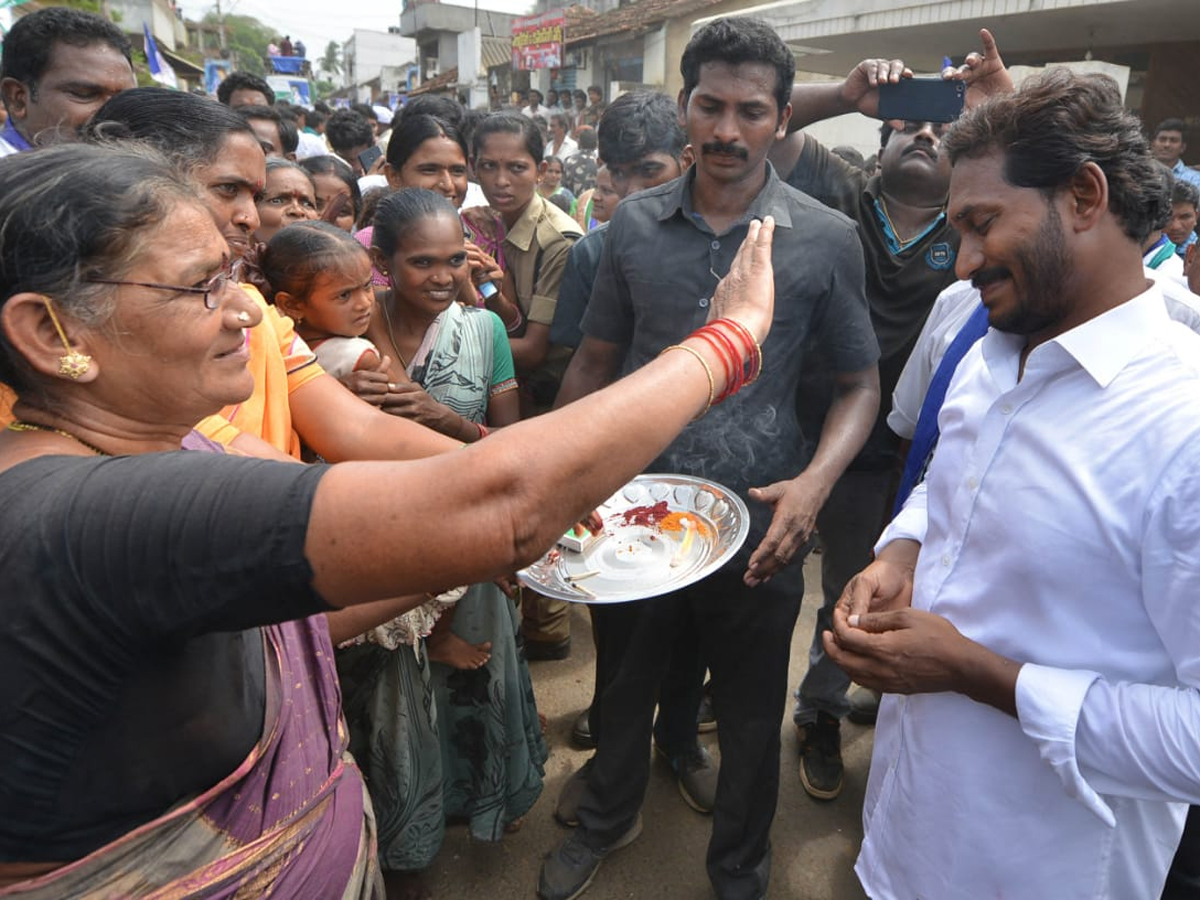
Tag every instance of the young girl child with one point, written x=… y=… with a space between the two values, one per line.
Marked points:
x=458 y=359
x=321 y=277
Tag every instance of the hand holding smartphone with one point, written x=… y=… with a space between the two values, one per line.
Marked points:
x=368 y=158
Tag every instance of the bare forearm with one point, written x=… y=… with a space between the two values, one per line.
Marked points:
x=594 y=366
x=529 y=350
x=340 y=426
x=379 y=530
x=817 y=102
x=345 y=624
x=847 y=426
x=987 y=677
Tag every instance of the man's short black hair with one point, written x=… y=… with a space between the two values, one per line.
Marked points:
x=735 y=41
x=28 y=45
x=1056 y=123
x=433 y=105
x=364 y=110
x=637 y=124
x=244 y=81
x=289 y=135
x=346 y=130
x=1170 y=125
x=1185 y=192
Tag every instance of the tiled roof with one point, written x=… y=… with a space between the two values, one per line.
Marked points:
x=447 y=79
x=633 y=18
x=497 y=51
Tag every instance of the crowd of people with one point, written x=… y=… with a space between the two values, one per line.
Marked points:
x=291 y=394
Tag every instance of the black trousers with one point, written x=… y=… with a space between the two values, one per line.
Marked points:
x=1183 y=879
x=744 y=634
x=681 y=688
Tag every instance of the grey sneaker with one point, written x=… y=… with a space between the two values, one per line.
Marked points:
x=566 y=811
x=696 y=774
x=570 y=867
x=821 y=769
x=864 y=706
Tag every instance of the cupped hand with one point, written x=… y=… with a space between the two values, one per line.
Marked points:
x=880 y=587
x=860 y=90
x=747 y=293
x=903 y=651
x=796 y=504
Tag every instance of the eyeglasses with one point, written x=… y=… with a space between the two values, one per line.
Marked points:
x=211 y=289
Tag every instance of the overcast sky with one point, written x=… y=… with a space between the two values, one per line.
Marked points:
x=317 y=22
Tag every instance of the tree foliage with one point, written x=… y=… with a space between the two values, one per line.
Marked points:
x=331 y=62
x=247 y=40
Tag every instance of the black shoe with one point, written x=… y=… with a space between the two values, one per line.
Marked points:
x=864 y=706
x=696 y=775
x=570 y=867
x=566 y=811
x=538 y=651
x=821 y=768
x=581 y=731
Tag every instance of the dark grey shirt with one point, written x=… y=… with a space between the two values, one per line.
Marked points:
x=660 y=266
x=577 y=280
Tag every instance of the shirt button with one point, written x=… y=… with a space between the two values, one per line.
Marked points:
x=972 y=483
x=704 y=303
x=946 y=559
x=1006 y=409
x=716 y=245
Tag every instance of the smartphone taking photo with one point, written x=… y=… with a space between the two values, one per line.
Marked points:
x=368 y=158
x=922 y=100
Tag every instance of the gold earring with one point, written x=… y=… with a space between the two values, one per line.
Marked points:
x=72 y=364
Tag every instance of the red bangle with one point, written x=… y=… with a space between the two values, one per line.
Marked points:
x=716 y=348
x=733 y=385
x=483 y=432
x=753 y=348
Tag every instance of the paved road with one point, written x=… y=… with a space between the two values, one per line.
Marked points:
x=814 y=843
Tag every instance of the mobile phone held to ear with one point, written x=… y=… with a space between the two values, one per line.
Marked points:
x=367 y=158
x=922 y=100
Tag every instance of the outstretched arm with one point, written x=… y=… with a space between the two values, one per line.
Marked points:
x=387 y=529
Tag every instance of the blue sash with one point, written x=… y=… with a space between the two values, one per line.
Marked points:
x=925 y=437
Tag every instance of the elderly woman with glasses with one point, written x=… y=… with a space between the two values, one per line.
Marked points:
x=171 y=719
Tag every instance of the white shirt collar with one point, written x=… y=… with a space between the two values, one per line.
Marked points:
x=1101 y=346
x=1105 y=345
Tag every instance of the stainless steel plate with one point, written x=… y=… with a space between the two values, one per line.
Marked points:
x=632 y=561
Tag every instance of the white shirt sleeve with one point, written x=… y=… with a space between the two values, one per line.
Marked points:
x=910 y=523
x=1124 y=739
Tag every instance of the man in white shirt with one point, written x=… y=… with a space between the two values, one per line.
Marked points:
x=560 y=145
x=1032 y=610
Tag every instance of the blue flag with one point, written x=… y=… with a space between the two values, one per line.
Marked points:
x=160 y=69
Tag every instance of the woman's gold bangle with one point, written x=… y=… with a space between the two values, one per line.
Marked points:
x=712 y=384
